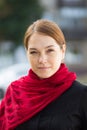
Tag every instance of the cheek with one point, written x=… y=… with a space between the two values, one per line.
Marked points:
x=58 y=57
x=32 y=62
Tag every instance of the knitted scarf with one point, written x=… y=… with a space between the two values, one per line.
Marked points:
x=28 y=95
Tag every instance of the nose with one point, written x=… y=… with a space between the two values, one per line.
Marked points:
x=42 y=58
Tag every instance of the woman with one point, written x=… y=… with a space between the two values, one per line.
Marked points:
x=48 y=97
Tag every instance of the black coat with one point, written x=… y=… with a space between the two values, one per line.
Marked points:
x=68 y=112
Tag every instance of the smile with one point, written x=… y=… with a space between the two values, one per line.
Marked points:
x=43 y=68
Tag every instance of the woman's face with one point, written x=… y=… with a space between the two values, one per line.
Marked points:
x=45 y=55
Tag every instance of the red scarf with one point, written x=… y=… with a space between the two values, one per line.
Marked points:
x=29 y=95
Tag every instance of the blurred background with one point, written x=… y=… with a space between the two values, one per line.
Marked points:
x=17 y=15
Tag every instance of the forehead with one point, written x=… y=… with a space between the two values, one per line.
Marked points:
x=38 y=39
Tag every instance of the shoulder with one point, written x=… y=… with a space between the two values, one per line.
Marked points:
x=18 y=81
x=78 y=84
x=15 y=84
x=80 y=87
x=82 y=95
x=76 y=92
x=80 y=90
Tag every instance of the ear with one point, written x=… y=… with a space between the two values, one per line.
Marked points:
x=63 y=51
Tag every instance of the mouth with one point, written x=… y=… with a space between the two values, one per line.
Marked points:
x=43 y=68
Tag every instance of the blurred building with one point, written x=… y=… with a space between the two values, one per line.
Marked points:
x=71 y=16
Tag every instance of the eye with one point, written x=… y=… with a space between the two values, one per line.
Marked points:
x=50 y=50
x=33 y=52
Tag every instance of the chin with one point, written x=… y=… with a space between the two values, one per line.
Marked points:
x=45 y=76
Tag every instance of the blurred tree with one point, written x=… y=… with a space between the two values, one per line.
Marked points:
x=15 y=17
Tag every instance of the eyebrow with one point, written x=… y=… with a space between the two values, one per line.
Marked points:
x=45 y=47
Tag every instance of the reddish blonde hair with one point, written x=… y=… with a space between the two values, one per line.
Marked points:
x=45 y=27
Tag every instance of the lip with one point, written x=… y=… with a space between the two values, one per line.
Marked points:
x=43 y=68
